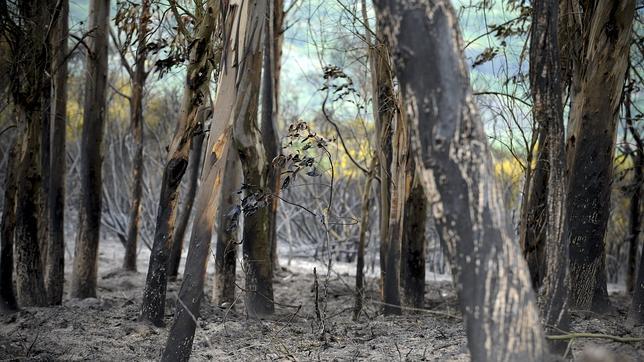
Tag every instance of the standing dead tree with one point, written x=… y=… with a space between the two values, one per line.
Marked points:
x=492 y=279
x=127 y=15
x=598 y=70
x=236 y=98
x=195 y=94
x=83 y=283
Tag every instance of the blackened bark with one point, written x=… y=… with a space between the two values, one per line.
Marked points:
x=184 y=216
x=83 y=284
x=492 y=279
x=590 y=147
x=533 y=223
x=545 y=81
x=223 y=290
x=636 y=311
x=55 y=268
x=136 y=116
x=412 y=264
x=7 y=228
x=195 y=92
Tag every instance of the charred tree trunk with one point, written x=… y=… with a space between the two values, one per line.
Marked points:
x=590 y=147
x=136 y=116
x=195 y=92
x=272 y=50
x=492 y=279
x=533 y=222
x=7 y=228
x=55 y=267
x=184 y=216
x=223 y=291
x=237 y=92
x=412 y=264
x=545 y=82
x=83 y=284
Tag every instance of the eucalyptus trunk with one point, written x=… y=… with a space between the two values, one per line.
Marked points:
x=492 y=279
x=412 y=264
x=83 y=284
x=7 y=229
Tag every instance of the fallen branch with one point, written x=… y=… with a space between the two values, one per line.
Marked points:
x=594 y=335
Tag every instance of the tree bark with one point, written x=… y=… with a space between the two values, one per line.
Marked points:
x=492 y=279
x=7 y=228
x=545 y=82
x=223 y=290
x=195 y=92
x=364 y=227
x=136 y=119
x=236 y=98
x=83 y=284
x=599 y=73
x=184 y=216
x=412 y=264
x=55 y=267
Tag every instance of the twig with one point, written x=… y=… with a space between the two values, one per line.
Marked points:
x=593 y=335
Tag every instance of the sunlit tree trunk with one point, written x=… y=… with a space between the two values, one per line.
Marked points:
x=136 y=118
x=55 y=267
x=545 y=83
x=599 y=76
x=236 y=98
x=193 y=103
x=184 y=217
x=492 y=279
x=223 y=290
x=83 y=284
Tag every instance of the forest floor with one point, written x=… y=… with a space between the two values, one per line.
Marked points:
x=106 y=328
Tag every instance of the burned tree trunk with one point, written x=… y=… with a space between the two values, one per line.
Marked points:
x=492 y=279
x=184 y=216
x=223 y=291
x=236 y=98
x=412 y=263
x=55 y=267
x=195 y=92
x=364 y=227
x=136 y=118
x=7 y=228
x=83 y=284
x=545 y=82
x=590 y=147
x=532 y=231
x=272 y=49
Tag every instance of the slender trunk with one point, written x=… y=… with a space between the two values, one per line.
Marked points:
x=184 y=216
x=237 y=91
x=7 y=228
x=591 y=141
x=83 y=284
x=270 y=92
x=364 y=227
x=55 y=267
x=492 y=279
x=532 y=232
x=223 y=291
x=545 y=81
x=412 y=264
x=45 y=166
x=636 y=311
x=136 y=116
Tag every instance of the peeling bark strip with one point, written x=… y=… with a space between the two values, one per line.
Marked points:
x=55 y=267
x=184 y=217
x=223 y=290
x=545 y=82
x=7 y=229
x=136 y=124
x=454 y=161
x=83 y=284
x=242 y=31
x=192 y=106
x=597 y=91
